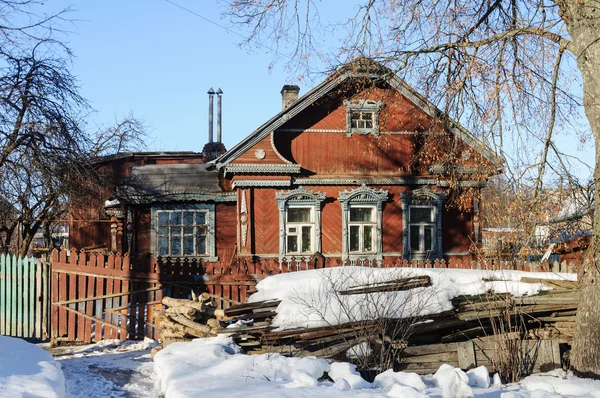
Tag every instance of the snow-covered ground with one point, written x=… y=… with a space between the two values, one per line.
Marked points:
x=215 y=367
x=28 y=371
x=110 y=368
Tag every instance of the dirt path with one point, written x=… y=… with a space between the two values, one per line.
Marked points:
x=110 y=369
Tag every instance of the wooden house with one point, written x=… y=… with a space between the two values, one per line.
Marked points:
x=359 y=168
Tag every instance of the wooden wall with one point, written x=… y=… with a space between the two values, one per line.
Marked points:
x=457 y=226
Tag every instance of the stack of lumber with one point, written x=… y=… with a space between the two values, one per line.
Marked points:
x=548 y=315
x=184 y=320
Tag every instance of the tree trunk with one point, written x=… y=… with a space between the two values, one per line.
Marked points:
x=583 y=23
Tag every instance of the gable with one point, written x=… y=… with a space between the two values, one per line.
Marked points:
x=310 y=133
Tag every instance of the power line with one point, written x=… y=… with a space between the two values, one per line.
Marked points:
x=292 y=59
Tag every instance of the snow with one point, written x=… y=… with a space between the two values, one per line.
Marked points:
x=28 y=371
x=110 y=368
x=310 y=299
x=217 y=367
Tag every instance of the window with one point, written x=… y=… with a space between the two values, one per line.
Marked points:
x=422 y=223
x=422 y=229
x=362 y=116
x=362 y=120
x=300 y=230
x=362 y=227
x=299 y=222
x=183 y=231
x=361 y=223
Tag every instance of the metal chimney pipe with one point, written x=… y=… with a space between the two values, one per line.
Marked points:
x=211 y=93
x=219 y=93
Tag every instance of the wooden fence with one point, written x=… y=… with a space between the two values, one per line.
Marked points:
x=24 y=297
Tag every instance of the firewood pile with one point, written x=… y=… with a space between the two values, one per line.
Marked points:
x=549 y=315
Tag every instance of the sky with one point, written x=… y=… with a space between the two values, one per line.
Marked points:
x=156 y=59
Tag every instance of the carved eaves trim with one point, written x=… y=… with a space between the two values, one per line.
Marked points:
x=181 y=197
x=261 y=183
x=263 y=168
x=385 y=181
x=300 y=194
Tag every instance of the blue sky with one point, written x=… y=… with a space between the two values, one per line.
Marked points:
x=157 y=61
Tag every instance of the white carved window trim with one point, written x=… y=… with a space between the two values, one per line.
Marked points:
x=363 y=196
x=422 y=197
x=361 y=231
x=209 y=212
x=299 y=232
x=362 y=107
x=299 y=198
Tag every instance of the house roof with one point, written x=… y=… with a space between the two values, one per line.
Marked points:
x=360 y=67
x=172 y=182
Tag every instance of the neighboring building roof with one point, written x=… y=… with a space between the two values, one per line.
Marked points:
x=360 y=67
x=172 y=182
x=164 y=154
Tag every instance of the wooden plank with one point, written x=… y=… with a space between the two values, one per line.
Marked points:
x=72 y=316
x=430 y=349
x=81 y=323
x=98 y=306
x=38 y=300
x=106 y=296
x=20 y=298
x=46 y=299
x=3 y=296
x=466 y=355
x=32 y=301
x=123 y=321
x=89 y=310
x=13 y=296
x=439 y=358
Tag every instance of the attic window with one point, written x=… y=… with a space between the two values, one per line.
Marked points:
x=362 y=117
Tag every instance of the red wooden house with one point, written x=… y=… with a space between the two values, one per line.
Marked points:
x=360 y=168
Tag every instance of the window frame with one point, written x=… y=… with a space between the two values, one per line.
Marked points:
x=361 y=224
x=363 y=197
x=299 y=198
x=362 y=107
x=419 y=198
x=298 y=234
x=422 y=225
x=207 y=209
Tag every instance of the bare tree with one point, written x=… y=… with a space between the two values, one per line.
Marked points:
x=45 y=147
x=508 y=70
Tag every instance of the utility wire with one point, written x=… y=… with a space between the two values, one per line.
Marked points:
x=292 y=59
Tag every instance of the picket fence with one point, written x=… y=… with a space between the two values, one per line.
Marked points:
x=24 y=297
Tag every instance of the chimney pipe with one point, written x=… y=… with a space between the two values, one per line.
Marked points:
x=289 y=95
x=219 y=93
x=211 y=93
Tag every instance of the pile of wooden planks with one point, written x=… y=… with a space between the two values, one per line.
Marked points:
x=548 y=315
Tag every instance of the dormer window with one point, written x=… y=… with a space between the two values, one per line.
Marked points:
x=362 y=116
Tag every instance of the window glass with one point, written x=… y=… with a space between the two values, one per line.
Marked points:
x=188 y=218
x=163 y=218
x=306 y=238
x=181 y=233
x=421 y=214
x=428 y=237
x=175 y=218
x=201 y=245
x=163 y=245
x=368 y=238
x=415 y=237
x=292 y=243
x=354 y=238
x=188 y=245
x=298 y=214
x=361 y=214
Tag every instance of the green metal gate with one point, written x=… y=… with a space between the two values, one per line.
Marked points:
x=24 y=297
